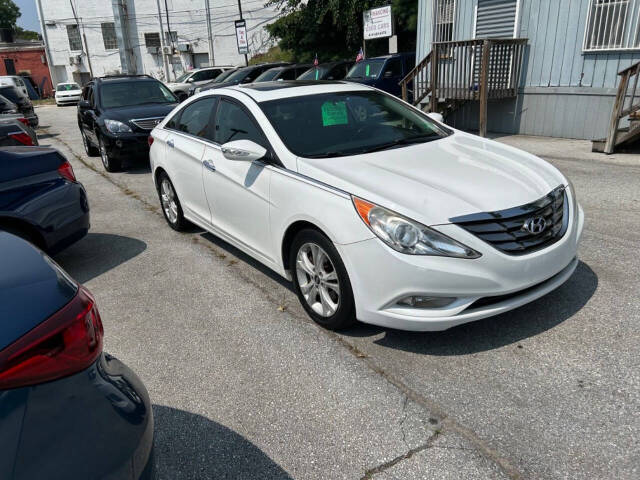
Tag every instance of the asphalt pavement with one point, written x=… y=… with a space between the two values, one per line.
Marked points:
x=244 y=385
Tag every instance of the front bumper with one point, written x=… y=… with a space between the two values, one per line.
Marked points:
x=65 y=100
x=124 y=145
x=381 y=276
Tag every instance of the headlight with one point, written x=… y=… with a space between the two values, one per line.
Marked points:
x=407 y=236
x=115 y=126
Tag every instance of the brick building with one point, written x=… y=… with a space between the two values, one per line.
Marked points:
x=26 y=58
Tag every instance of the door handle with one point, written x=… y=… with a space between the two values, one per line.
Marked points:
x=170 y=143
x=208 y=164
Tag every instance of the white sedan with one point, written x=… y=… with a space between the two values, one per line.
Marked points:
x=375 y=211
x=67 y=93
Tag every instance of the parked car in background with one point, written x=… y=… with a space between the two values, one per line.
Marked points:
x=15 y=130
x=40 y=198
x=219 y=79
x=67 y=93
x=373 y=209
x=239 y=76
x=195 y=78
x=68 y=409
x=383 y=72
x=287 y=72
x=327 y=71
x=15 y=81
x=116 y=114
x=7 y=106
x=25 y=107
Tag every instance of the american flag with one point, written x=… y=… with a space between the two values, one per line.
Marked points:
x=315 y=61
x=360 y=55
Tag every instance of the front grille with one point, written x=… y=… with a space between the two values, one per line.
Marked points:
x=147 y=123
x=507 y=230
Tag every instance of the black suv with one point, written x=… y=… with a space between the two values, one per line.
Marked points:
x=241 y=75
x=116 y=114
x=25 y=107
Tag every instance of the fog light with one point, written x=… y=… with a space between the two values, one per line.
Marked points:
x=119 y=143
x=426 y=302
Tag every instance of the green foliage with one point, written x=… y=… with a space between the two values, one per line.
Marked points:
x=333 y=28
x=274 y=54
x=9 y=13
x=21 y=33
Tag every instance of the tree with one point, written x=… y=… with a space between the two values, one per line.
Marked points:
x=9 y=13
x=333 y=28
x=23 y=34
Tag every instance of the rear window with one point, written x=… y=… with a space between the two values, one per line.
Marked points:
x=10 y=93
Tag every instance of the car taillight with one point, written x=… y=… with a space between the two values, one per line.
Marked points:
x=24 y=120
x=22 y=137
x=66 y=171
x=150 y=140
x=66 y=343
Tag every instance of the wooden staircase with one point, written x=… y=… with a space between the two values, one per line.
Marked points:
x=619 y=138
x=457 y=72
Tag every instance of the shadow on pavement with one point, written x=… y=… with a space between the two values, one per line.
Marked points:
x=98 y=253
x=190 y=446
x=494 y=332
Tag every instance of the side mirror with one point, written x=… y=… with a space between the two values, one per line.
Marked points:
x=190 y=80
x=436 y=116
x=243 y=150
x=388 y=74
x=83 y=104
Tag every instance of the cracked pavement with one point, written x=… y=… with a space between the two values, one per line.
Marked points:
x=244 y=385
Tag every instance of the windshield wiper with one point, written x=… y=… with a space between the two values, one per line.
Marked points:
x=402 y=141
x=329 y=154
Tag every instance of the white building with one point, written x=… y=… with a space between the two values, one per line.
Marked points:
x=124 y=36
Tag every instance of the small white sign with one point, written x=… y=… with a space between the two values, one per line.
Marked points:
x=378 y=23
x=241 y=36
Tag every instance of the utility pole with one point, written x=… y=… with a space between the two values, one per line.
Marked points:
x=246 y=59
x=47 y=52
x=165 y=61
x=85 y=48
x=210 y=33
x=166 y=11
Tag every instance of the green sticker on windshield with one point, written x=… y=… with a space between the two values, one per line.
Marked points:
x=317 y=73
x=334 y=113
x=368 y=69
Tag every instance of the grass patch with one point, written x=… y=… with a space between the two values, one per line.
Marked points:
x=44 y=101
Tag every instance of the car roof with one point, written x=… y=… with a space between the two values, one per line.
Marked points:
x=126 y=78
x=265 y=91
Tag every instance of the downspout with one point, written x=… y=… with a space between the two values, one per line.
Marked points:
x=47 y=52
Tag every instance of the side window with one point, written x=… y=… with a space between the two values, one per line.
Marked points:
x=90 y=96
x=393 y=68
x=209 y=74
x=196 y=77
x=195 y=118
x=233 y=123
x=253 y=75
x=289 y=74
x=85 y=92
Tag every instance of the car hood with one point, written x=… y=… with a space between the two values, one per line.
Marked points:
x=435 y=181
x=124 y=114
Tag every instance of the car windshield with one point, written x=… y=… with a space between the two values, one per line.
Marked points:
x=366 y=69
x=238 y=75
x=347 y=123
x=126 y=94
x=65 y=87
x=9 y=93
x=223 y=76
x=183 y=78
x=268 y=75
x=314 y=73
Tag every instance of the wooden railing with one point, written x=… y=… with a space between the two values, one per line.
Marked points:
x=629 y=76
x=480 y=69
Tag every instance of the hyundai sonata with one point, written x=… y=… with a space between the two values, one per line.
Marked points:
x=374 y=210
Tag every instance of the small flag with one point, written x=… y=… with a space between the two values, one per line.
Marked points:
x=315 y=61
x=360 y=55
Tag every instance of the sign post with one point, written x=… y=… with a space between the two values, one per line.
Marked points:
x=378 y=23
x=241 y=38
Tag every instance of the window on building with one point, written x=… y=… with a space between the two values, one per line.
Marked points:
x=612 y=25
x=73 y=32
x=152 y=39
x=444 y=17
x=109 y=36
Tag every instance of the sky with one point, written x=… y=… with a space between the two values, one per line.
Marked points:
x=29 y=18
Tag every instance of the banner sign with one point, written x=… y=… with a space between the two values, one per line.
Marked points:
x=377 y=23
x=241 y=36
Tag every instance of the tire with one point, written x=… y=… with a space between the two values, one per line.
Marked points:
x=172 y=213
x=109 y=163
x=324 y=290
x=90 y=150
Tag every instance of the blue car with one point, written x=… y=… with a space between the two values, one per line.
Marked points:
x=67 y=410
x=40 y=198
x=384 y=72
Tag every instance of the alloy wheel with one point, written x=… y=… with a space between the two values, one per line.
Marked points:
x=318 y=279
x=168 y=199
x=104 y=155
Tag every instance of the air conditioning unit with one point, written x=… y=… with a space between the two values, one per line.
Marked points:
x=168 y=50
x=184 y=47
x=72 y=60
x=153 y=49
